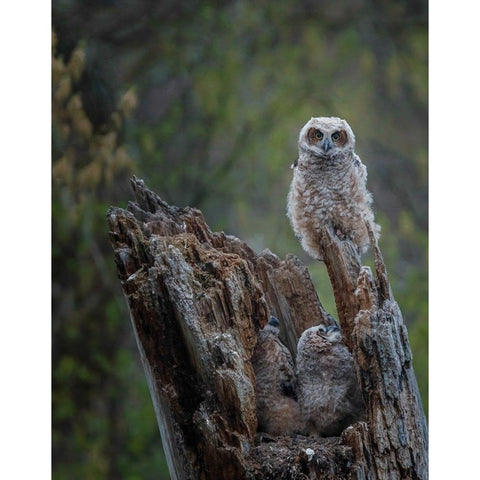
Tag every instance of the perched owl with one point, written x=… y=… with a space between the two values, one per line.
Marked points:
x=277 y=409
x=329 y=186
x=328 y=394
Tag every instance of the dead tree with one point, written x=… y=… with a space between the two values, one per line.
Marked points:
x=197 y=300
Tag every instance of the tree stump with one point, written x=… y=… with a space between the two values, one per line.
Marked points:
x=197 y=300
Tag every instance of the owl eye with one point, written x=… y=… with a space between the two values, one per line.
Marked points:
x=318 y=134
x=321 y=330
x=336 y=136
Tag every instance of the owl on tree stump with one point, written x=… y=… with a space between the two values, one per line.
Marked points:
x=328 y=393
x=329 y=187
x=278 y=412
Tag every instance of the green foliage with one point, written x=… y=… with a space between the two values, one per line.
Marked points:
x=98 y=384
x=223 y=91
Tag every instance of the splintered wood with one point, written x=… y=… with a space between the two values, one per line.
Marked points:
x=197 y=300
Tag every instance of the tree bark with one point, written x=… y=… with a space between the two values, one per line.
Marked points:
x=197 y=300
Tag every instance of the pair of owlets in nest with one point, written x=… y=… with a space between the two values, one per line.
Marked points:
x=320 y=396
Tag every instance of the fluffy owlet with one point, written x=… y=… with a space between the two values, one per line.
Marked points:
x=328 y=393
x=329 y=186
x=277 y=410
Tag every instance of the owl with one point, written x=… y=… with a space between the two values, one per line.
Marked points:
x=329 y=187
x=328 y=393
x=278 y=412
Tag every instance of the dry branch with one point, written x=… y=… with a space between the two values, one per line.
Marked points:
x=197 y=300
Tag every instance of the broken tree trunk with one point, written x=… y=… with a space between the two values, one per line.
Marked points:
x=197 y=300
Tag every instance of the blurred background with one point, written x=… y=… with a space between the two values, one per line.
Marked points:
x=204 y=101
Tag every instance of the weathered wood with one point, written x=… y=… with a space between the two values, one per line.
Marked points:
x=396 y=438
x=197 y=300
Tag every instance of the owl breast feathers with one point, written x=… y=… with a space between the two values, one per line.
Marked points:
x=327 y=389
x=329 y=187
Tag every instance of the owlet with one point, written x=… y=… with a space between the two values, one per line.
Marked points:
x=329 y=186
x=277 y=409
x=328 y=393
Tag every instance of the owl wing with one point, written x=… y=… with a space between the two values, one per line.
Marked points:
x=360 y=167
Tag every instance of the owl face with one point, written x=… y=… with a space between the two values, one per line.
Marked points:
x=319 y=337
x=326 y=137
x=329 y=334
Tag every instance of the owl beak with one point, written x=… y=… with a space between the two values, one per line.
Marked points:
x=327 y=144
